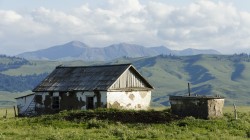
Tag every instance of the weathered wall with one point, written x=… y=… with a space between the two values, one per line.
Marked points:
x=138 y=100
x=128 y=80
x=43 y=103
x=23 y=103
x=194 y=107
x=197 y=107
x=71 y=100
x=215 y=107
x=67 y=101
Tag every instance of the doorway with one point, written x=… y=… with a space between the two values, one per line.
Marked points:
x=90 y=103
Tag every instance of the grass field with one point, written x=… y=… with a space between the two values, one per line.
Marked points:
x=9 y=111
x=241 y=109
x=226 y=109
x=55 y=127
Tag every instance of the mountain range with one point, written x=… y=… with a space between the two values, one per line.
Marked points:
x=76 y=50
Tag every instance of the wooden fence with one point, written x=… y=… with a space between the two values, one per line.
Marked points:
x=8 y=111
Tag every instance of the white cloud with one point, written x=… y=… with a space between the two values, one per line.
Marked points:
x=9 y=17
x=202 y=24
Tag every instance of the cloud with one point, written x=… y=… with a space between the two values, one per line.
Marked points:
x=202 y=24
x=205 y=24
x=9 y=16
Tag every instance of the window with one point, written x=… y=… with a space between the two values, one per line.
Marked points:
x=55 y=102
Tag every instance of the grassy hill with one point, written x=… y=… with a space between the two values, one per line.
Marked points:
x=78 y=125
x=223 y=75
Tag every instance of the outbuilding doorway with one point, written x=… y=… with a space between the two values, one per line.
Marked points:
x=90 y=103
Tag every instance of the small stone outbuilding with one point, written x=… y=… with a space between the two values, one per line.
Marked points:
x=88 y=87
x=205 y=107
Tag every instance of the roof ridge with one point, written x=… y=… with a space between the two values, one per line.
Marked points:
x=62 y=66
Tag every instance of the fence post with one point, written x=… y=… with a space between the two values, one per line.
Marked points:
x=6 y=113
x=15 y=111
x=235 y=112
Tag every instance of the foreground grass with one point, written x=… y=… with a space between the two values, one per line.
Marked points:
x=56 y=127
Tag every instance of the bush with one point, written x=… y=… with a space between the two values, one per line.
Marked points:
x=94 y=123
x=248 y=134
x=125 y=116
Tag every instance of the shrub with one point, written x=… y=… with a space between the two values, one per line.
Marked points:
x=94 y=123
x=248 y=134
x=125 y=116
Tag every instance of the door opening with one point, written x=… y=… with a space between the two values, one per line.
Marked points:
x=90 y=102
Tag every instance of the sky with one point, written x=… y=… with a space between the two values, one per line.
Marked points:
x=29 y=25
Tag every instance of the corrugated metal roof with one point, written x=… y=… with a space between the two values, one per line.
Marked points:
x=83 y=78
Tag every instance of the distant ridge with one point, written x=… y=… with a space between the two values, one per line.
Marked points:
x=219 y=75
x=76 y=50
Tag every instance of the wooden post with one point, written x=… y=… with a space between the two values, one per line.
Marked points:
x=235 y=112
x=189 y=92
x=98 y=97
x=15 y=111
x=6 y=113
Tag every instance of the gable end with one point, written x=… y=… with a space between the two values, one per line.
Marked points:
x=131 y=79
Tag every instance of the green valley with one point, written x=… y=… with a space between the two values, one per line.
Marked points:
x=221 y=75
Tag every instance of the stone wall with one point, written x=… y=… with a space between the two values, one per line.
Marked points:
x=215 y=108
x=197 y=106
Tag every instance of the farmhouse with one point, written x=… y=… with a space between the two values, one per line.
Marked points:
x=88 y=87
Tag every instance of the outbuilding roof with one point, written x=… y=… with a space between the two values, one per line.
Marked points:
x=25 y=95
x=86 y=78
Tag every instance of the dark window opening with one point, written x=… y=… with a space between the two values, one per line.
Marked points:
x=71 y=94
x=55 y=102
x=90 y=102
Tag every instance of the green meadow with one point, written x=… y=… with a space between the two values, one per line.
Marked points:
x=60 y=127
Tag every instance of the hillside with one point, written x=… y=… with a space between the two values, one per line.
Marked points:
x=76 y=50
x=17 y=83
x=223 y=75
x=220 y=75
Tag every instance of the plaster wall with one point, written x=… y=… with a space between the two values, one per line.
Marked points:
x=215 y=108
x=81 y=96
x=67 y=101
x=137 y=100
